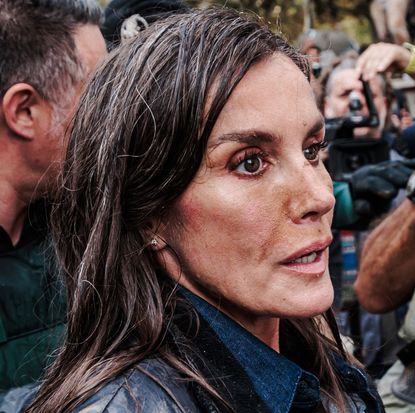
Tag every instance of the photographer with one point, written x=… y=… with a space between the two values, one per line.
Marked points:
x=365 y=193
x=343 y=85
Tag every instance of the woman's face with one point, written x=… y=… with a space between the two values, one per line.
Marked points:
x=252 y=230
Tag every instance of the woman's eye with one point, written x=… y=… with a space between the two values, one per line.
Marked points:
x=311 y=153
x=250 y=165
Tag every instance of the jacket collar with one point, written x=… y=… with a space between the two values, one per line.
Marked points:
x=271 y=382
x=34 y=228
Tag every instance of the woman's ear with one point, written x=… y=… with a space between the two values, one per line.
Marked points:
x=162 y=244
x=156 y=234
x=157 y=243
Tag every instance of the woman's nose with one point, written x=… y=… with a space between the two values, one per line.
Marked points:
x=315 y=195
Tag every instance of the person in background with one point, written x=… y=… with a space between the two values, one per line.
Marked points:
x=342 y=83
x=389 y=19
x=387 y=272
x=47 y=50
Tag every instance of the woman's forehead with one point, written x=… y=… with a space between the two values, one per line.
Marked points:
x=271 y=96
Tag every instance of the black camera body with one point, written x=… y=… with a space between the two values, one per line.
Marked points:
x=347 y=154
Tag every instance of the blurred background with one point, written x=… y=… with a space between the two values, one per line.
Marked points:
x=293 y=17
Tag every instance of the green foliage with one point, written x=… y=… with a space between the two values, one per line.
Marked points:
x=287 y=16
x=357 y=29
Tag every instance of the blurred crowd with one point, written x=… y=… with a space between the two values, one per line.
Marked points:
x=366 y=95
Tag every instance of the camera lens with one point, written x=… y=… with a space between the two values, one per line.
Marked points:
x=355 y=103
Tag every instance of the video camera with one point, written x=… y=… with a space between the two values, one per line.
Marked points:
x=346 y=153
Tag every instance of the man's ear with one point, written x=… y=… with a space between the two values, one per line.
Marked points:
x=21 y=105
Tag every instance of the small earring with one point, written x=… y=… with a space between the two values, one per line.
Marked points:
x=154 y=242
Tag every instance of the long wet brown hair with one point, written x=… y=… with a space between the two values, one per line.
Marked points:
x=136 y=142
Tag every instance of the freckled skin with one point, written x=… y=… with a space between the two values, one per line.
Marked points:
x=237 y=227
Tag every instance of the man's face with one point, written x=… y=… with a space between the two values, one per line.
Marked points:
x=336 y=104
x=91 y=49
x=90 y=45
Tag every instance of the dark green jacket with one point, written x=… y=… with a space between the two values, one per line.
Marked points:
x=31 y=303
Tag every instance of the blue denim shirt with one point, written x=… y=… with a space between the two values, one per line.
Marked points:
x=280 y=383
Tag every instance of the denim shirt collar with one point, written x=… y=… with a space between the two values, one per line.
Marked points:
x=279 y=382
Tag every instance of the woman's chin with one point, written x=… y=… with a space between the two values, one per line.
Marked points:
x=309 y=304
x=318 y=304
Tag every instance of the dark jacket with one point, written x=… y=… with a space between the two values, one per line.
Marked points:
x=152 y=386
x=246 y=372
x=249 y=375
x=32 y=305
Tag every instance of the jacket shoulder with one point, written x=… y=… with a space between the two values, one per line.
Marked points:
x=152 y=386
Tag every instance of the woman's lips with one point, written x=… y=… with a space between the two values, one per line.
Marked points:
x=311 y=259
x=316 y=263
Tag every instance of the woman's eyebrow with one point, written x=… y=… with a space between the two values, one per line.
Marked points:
x=316 y=128
x=246 y=137
x=259 y=137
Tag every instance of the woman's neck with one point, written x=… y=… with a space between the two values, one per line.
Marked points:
x=264 y=328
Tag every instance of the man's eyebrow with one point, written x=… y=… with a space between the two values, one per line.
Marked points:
x=246 y=137
x=346 y=91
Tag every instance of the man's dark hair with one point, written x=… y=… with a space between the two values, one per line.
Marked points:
x=37 y=46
